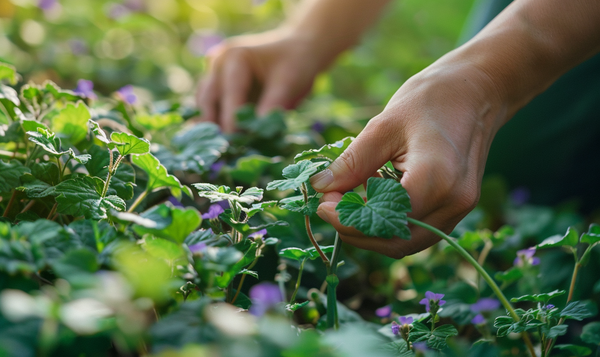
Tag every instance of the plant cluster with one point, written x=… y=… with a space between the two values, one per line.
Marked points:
x=105 y=248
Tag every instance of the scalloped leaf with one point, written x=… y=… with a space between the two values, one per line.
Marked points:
x=158 y=177
x=384 y=213
x=570 y=239
x=329 y=152
x=539 y=297
x=295 y=175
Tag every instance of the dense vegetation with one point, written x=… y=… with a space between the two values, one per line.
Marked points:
x=129 y=229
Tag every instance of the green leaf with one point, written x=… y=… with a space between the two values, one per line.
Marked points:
x=250 y=168
x=539 y=297
x=592 y=236
x=76 y=264
x=30 y=92
x=72 y=122
x=196 y=148
x=158 y=121
x=35 y=188
x=258 y=207
x=183 y=222
x=554 y=331
x=570 y=239
x=122 y=182
x=313 y=254
x=296 y=175
x=267 y=126
x=130 y=144
x=163 y=248
x=221 y=193
x=576 y=310
x=293 y=253
x=296 y=204
x=438 y=337
x=297 y=306
x=47 y=172
x=10 y=173
x=8 y=74
x=158 y=177
x=32 y=125
x=81 y=196
x=59 y=93
x=252 y=273
x=591 y=333
x=8 y=94
x=574 y=350
x=47 y=141
x=512 y=274
x=98 y=132
x=384 y=213
x=329 y=152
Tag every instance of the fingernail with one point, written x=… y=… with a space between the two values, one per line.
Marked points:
x=321 y=180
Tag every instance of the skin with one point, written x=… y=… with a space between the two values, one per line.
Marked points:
x=438 y=127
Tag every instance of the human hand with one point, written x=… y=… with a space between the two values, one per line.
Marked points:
x=273 y=69
x=437 y=129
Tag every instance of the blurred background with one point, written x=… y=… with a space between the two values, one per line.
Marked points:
x=158 y=46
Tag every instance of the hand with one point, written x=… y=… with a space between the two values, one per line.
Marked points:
x=437 y=129
x=274 y=69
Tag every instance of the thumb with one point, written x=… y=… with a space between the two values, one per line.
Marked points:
x=366 y=154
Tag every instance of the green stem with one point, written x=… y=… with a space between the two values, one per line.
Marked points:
x=60 y=170
x=52 y=211
x=482 y=272
x=309 y=230
x=335 y=256
x=137 y=201
x=243 y=277
x=332 y=283
x=298 y=281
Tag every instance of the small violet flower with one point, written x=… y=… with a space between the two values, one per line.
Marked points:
x=259 y=234
x=264 y=296
x=432 y=302
x=318 y=127
x=85 y=88
x=46 y=4
x=525 y=257
x=213 y=212
x=519 y=196
x=175 y=202
x=420 y=347
x=197 y=248
x=383 y=312
x=485 y=304
x=215 y=169
x=405 y=320
x=395 y=328
x=548 y=307
x=478 y=320
x=127 y=95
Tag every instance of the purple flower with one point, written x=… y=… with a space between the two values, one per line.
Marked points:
x=405 y=320
x=126 y=93
x=197 y=248
x=485 y=304
x=213 y=212
x=525 y=257
x=224 y=204
x=264 y=296
x=318 y=127
x=519 y=196
x=175 y=202
x=384 y=311
x=259 y=234
x=420 y=347
x=432 y=299
x=46 y=4
x=395 y=328
x=200 y=44
x=478 y=320
x=215 y=169
x=85 y=88
x=548 y=307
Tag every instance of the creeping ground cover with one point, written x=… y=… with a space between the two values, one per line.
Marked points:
x=128 y=230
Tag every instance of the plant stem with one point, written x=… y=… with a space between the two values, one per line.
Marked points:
x=309 y=230
x=335 y=256
x=10 y=203
x=28 y=207
x=60 y=171
x=52 y=211
x=481 y=271
x=243 y=277
x=332 y=283
x=137 y=201
x=300 y=270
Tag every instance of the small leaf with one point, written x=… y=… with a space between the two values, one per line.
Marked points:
x=293 y=253
x=162 y=248
x=249 y=169
x=574 y=350
x=384 y=213
x=591 y=333
x=258 y=207
x=72 y=122
x=158 y=121
x=252 y=273
x=81 y=196
x=122 y=182
x=512 y=274
x=183 y=222
x=297 y=306
x=98 y=132
x=539 y=297
x=592 y=236
x=296 y=204
x=130 y=144
x=576 y=310
x=554 y=331
x=296 y=175
x=8 y=74
x=571 y=238
x=47 y=141
x=329 y=152
x=10 y=173
x=313 y=254
x=58 y=93
x=158 y=177
x=32 y=125
x=267 y=126
x=222 y=193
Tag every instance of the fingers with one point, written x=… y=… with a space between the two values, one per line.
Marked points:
x=374 y=146
x=282 y=90
x=235 y=88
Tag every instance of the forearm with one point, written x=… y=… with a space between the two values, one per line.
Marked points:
x=532 y=43
x=332 y=26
